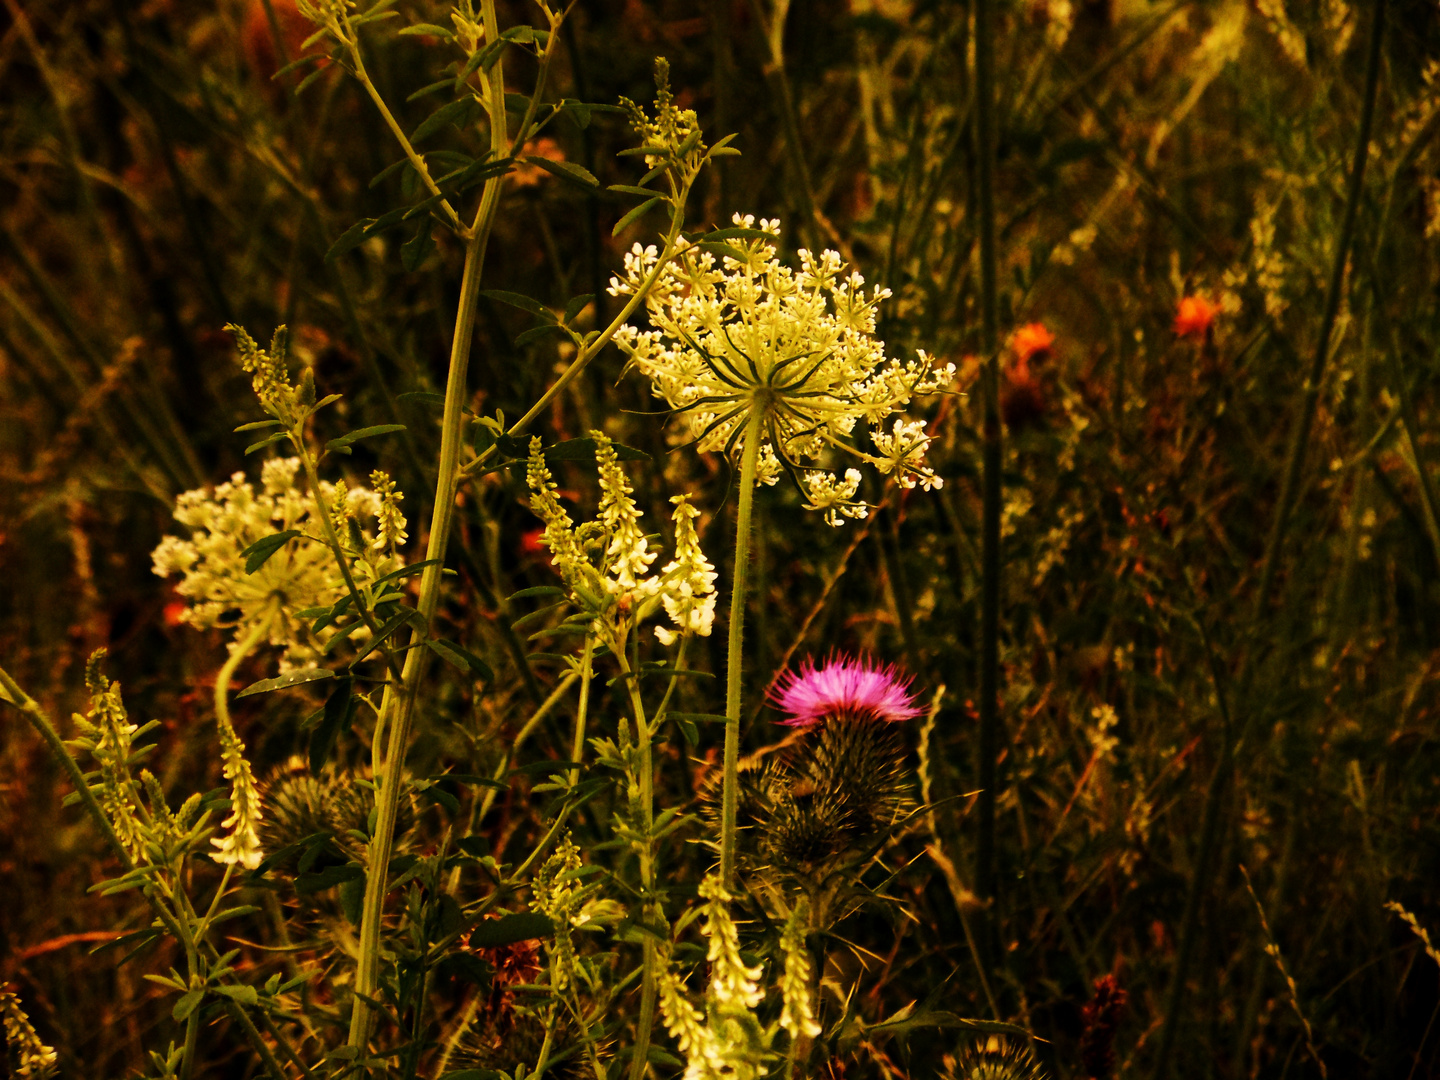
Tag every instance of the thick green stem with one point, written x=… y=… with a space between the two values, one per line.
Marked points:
x=750 y=456
x=452 y=424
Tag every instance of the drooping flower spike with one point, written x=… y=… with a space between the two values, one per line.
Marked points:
x=855 y=688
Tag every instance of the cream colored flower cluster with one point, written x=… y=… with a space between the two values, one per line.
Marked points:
x=621 y=586
x=302 y=574
x=748 y=335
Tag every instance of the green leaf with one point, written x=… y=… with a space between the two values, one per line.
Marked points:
x=631 y=189
x=418 y=248
x=256 y=425
x=258 y=553
x=454 y=112
x=736 y=234
x=521 y=301
x=289 y=679
x=339 y=708
x=584 y=450
x=421 y=397
x=351 y=238
x=385 y=173
x=460 y=657
x=327 y=878
x=245 y=995
x=363 y=433
x=507 y=930
x=427 y=28
x=265 y=442
x=565 y=170
x=702 y=717
x=635 y=215
x=187 y=1005
x=576 y=305
x=406 y=614
x=535 y=590
x=536 y=332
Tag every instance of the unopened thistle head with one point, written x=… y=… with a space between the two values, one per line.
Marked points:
x=748 y=336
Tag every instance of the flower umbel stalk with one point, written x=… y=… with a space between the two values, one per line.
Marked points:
x=748 y=460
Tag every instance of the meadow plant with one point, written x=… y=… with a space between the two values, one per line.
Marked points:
x=1126 y=424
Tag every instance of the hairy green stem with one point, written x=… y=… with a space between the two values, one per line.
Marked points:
x=749 y=457
x=1236 y=731
x=640 y=1057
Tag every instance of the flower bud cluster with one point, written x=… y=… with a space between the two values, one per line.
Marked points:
x=619 y=585
x=745 y=334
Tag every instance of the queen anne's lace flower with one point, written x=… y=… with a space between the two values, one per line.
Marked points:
x=750 y=334
x=302 y=574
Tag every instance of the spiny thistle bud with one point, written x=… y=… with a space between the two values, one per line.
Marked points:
x=996 y=1058
x=33 y=1059
x=299 y=803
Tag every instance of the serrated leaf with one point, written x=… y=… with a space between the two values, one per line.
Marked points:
x=584 y=450
x=701 y=717
x=576 y=305
x=289 y=679
x=565 y=170
x=187 y=1004
x=385 y=173
x=418 y=248
x=265 y=442
x=453 y=112
x=339 y=708
x=635 y=215
x=245 y=995
x=535 y=590
x=536 y=332
x=351 y=238
x=460 y=657
x=258 y=553
x=427 y=28
x=521 y=301
x=363 y=433
x=507 y=930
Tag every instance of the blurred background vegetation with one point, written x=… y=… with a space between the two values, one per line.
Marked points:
x=158 y=182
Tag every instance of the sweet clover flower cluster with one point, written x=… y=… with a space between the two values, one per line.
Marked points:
x=619 y=584
x=302 y=574
x=725 y=1040
x=746 y=338
x=33 y=1059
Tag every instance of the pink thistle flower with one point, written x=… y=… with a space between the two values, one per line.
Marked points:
x=855 y=688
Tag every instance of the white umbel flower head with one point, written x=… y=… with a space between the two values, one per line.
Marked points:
x=747 y=333
x=301 y=574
